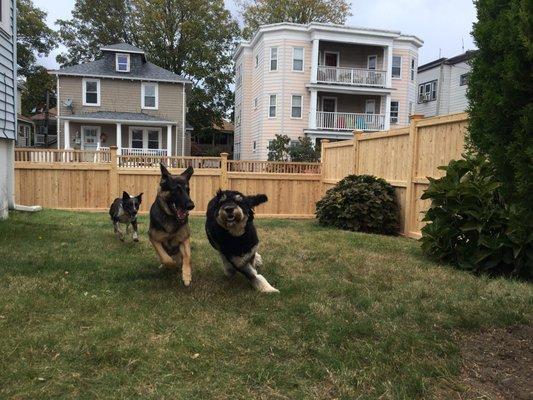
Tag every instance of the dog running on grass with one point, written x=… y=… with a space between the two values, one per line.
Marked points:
x=124 y=210
x=231 y=231
x=169 y=228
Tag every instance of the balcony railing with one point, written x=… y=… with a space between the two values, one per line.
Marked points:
x=350 y=121
x=351 y=76
x=130 y=151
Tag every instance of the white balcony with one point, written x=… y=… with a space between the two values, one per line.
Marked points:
x=130 y=151
x=339 y=121
x=351 y=76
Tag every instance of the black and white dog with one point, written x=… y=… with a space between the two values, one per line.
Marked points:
x=231 y=231
x=124 y=210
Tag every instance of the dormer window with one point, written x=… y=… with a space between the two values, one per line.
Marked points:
x=122 y=62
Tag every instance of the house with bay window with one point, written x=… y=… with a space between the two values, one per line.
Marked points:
x=123 y=100
x=322 y=81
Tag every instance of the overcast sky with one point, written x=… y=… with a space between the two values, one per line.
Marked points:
x=443 y=25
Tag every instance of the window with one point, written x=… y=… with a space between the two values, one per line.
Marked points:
x=238 y=75
x=396 y=66
x=463 y=79
x=293 y=143
x=427 y=92
x=297 y=58
x=273 y=58
x=136 y=138
x=411 y=108
x=91 y=92
x=296 y=106
x=394 y=112
x=413 y=64
x=149 y=96
x=153 y=139
x=255 y=146
x=256 y=103
x=145 y=138
x=372 y=62
x=272 y=106
x=122 y=62
x=256 y=60
x=238 y=117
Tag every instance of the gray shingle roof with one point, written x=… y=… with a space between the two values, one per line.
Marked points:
x=122 y=47
x=120 y=116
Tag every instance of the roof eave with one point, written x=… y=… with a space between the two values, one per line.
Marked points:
x=133 y=78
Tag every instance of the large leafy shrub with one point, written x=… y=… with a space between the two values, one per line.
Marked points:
x=360 y=203
x=471 y=226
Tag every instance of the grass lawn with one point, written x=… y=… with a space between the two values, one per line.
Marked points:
x=359 y=316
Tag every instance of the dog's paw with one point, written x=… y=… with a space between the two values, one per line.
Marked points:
x=258 y=260
x=262 y=285
x=271 y=289
x=187 y=280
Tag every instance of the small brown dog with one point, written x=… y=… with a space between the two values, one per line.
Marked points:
x=169 y=228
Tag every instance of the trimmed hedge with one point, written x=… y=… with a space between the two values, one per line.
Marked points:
x=360 y=203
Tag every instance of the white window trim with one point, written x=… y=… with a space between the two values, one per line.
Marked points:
x=301 y=106
x=331 y=52
x=270 y=59
x=370 y=101
x=98 y=135
x=328 y=98
x=275 y=106
x=84 y=92
x=412 y=69
x=401 y=61
x=303 y=59
x=368 y=61
x=143 y=84
x=398 y=112
x=145 y=130
x=116 y=62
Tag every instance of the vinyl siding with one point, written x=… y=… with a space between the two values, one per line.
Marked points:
x=8 y=89
x=404 y=89
x=458 y=101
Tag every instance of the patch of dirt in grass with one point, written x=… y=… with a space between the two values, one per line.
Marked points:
x=497 y=364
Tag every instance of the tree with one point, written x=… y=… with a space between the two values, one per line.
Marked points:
x=260 y=12
x=501 y=93
x=34 y=37
x=278 y=149
x=34 y=93
x=303 y=151
x=193 y=38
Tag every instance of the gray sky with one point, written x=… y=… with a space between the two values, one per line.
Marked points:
x=442 y=24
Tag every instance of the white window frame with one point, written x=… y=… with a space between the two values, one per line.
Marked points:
x=368 y=62
x=303 y=59
x=370 y=101
x=145 y=130
x=397 y=121
x=275 y=105
x=413 y=69
x=254 y=146
x=143 y=85
x=117 y=55
x=338 y=54
x=98 y=135
x=274 y=59
x=301 y=105
x=328 y=98
x=434 y=83
x=84 y=92
x=392 y=68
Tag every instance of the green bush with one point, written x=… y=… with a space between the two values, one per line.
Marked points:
x=469 y=224
x=360 y=203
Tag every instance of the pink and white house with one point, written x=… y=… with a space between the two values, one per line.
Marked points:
x=322 y=81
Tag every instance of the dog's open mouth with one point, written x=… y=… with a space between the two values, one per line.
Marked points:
x=178 y=212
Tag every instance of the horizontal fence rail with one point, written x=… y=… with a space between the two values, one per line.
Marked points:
x=273 y=167
x=349 y=121
x=351 y=76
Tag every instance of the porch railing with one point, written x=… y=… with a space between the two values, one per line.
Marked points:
x=64 y=155
x=130 y=151
x=350 y=121
x=351 y=76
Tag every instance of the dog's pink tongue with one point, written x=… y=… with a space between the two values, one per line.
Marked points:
x=181 y=214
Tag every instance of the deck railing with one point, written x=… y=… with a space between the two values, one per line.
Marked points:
x=62 y=156
x=350 y=121
x=351 y=76
x=148 y=161
x=130 y=151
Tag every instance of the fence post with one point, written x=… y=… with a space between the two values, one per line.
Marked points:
x=224 y=181
x=410 y=203
x=113 y=174
x=356 y=135
x=323 y=160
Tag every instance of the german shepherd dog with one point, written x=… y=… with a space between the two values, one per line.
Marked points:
x=124 y=210
x=169 y=229
x=231 y=231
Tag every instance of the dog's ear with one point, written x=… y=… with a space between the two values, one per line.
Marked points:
x=254 y=201
x=125 y=195
x=164 y=171
x=188 y=173
x=140 y=197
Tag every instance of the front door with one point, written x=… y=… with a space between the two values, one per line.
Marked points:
x=90 y=138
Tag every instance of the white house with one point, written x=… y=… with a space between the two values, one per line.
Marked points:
x=321 y=81
x=442 y=85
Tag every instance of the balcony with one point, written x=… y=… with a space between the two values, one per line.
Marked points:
x=339 y=121
x=130 y=151
x=351 y=76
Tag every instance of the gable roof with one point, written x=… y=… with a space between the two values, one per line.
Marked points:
x=122 y=47
x=467 y=55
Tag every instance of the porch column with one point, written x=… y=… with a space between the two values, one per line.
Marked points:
x=389 y=66
x=66 y=135
x=169 y=140
x=314 y=60
x=387 y=113
x=312 y=109
x=119 y=138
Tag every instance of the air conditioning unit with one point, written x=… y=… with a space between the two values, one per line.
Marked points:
x=424 y=97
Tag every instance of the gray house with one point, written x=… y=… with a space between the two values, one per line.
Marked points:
x=122 y=100
x=8 y=114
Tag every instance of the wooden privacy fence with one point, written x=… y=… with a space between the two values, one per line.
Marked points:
x=77 y=180
x=404 y=157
